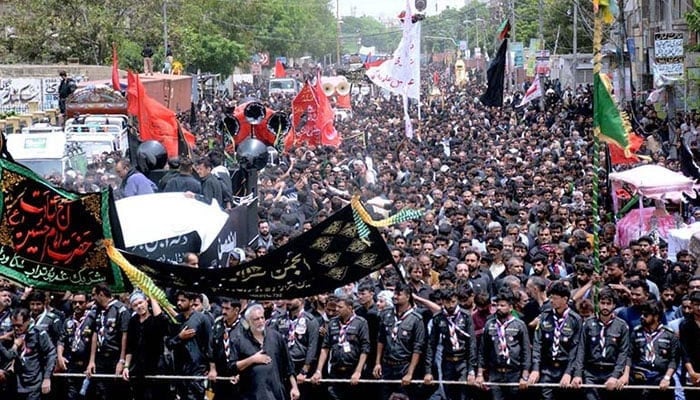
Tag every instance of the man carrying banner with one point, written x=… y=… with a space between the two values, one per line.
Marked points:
x=225 y=327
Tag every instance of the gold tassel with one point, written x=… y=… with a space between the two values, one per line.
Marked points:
x=139 y=279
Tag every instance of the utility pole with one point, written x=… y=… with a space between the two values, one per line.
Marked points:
x=541 y=27
x=670 y=95
x=623 y=85
x=575 y=62
x=337 y=33
x=165 y=29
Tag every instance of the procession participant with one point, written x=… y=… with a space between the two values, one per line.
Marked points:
x=34 y=357
x=401 y=344
x=556 y=342
x=451 y=348
x=655 y=353
x=260 y=357
x=145 y=347
x=108 y=343
x=302 y=332
x=191 y=346
x=505 y=351
x=345 y=347
x=73 y=350
x=225 y=326
x=604 y=351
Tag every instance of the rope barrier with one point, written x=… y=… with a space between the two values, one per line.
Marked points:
x=374 y=381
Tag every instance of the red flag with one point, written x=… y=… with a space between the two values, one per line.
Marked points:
x=329 y=136
x=617 y=154
x=280 y=72
x=156 y=122
x=343 y=101
x=115 y=69
x=375 y=63
x=312 y=118
x=436 y=78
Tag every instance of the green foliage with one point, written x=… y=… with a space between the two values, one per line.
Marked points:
x=217 y=35
x=693 y=20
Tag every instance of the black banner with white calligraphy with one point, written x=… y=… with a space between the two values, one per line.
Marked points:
x=328 y=256
x=50 y=238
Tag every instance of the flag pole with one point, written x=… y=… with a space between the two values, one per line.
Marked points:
x=597 y=57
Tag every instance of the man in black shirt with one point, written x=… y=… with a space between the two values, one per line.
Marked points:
x=147 y=54
x=451 y=349
x=75 y=343
x=225 y=327
x=261 y=359
x=65 y=88
x=347 y=343
x=401 y=343
x=556 y=343
x=191 y=346
x=108 y=348
x=34 y=357
x=144 y=348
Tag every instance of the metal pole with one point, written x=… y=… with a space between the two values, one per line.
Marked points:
x=575 y=62
x=165 y=29
x=670 y=95
x=337 y=33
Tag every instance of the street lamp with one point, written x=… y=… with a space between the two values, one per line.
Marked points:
x=466 y=21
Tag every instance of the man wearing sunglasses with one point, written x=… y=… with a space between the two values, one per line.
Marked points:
x=74 y=345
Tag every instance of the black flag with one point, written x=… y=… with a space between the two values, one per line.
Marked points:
x=495 y=75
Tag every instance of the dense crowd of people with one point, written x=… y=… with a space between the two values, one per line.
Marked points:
x=495 y=284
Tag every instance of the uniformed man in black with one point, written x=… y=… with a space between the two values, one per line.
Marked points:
x=7 y=387
x=689 y=333
x=401 y=344
x=108 y=347
x=556 y=343
x=367 y=309
x=451 y=349
x=74 y=346
x=302 y=332
x=348 y=345
x=34 y=357
x=505 y=351
x=655 y=353
x=191 y=347
x=5 y=313
x=604 y=351
x=44 y=319
x=225 y=326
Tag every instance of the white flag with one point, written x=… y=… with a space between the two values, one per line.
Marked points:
x=532 y=93
x=401 y=73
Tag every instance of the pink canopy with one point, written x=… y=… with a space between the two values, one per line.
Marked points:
x=654 y=182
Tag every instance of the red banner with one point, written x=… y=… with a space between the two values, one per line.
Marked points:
x=156 y=122
x=312 y=119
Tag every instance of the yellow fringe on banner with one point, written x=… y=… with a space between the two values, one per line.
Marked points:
x=139 y=279
x=403 y=215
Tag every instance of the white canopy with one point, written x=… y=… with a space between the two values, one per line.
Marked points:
x=655 y=182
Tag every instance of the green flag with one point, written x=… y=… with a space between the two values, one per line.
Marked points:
x=607 y=121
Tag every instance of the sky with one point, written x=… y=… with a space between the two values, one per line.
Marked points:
x=387 y=8
x=374 y=8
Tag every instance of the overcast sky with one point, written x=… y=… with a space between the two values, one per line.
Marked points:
x=374 y=8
